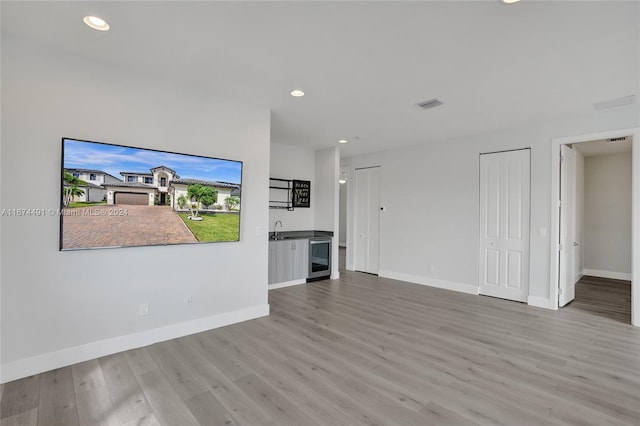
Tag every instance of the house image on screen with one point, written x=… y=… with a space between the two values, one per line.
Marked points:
x=162 y=186
x=92 y=184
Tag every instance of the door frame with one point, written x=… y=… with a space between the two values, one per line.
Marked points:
x=554 y=233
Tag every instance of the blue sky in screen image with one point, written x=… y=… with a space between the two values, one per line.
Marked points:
x=114 y=159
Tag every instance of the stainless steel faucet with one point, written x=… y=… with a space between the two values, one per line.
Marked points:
x=275 y=228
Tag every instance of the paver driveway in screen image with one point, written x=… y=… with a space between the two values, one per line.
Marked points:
x=123 y=225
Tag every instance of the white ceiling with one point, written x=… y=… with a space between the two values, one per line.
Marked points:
x=604 y=147
x=364 y=65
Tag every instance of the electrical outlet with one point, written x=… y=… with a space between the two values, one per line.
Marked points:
x=144 y=309
x=187 y=301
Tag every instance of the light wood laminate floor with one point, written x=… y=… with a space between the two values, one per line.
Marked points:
x=363 y=350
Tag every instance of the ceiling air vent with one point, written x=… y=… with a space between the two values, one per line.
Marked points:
x=431 y=103
x=621 y=139
x=614 y=103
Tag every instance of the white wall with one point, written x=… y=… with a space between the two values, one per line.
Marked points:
x=607 y=230
x=290 y=162
x=328 y=198
x=431 y=194
x=55 y=308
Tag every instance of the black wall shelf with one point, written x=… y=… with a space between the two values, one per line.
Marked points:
x=280 y=194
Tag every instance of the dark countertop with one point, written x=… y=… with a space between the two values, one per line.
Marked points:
x=300 y=235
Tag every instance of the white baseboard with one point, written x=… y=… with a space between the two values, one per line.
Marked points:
x=607 y=274
x=431 y=282
x=539 y=302
x=287 y=284
x=68 y=356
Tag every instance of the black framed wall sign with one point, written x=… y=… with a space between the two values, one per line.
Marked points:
x=301 y=193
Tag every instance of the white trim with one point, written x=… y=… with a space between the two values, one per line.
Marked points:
x=287 y=284
x=607 y=274
x=635 y=202
x=539 y=302
x=431 y=282
x=68 y=356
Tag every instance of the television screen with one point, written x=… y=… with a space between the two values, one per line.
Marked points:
x=121 y=196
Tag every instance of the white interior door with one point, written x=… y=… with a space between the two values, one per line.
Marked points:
x=367 y=220
x=504 y=224
x=579 y=217
x=568 y=248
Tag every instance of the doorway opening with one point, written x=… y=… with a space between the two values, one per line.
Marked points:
x=595 y=193
x=595 y=227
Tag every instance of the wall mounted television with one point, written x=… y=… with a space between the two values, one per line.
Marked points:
x=122 y=196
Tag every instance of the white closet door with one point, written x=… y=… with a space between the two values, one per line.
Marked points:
x=504 y=224
x=367 y=220
x=568 y=241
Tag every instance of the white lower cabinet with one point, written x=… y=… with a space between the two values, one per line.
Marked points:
x=300 y=250
x=273 y=248
x=288 y=260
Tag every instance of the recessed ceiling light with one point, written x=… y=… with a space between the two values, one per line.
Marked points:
x=96 y=23
x=343 y=141
x=342 y=181
x=510 y=1
x=297 y=93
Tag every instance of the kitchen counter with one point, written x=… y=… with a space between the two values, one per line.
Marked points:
x=298 y=235
x=296 y=257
